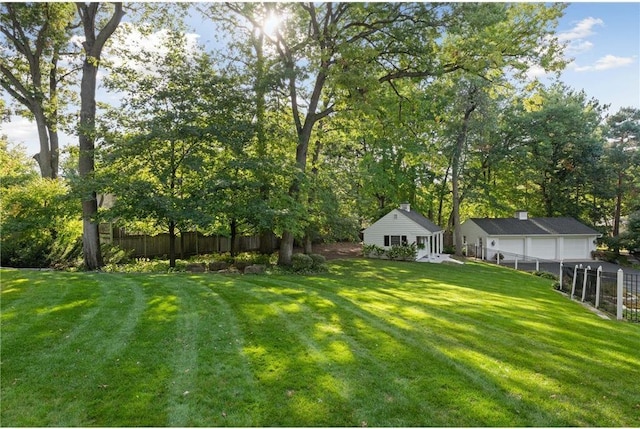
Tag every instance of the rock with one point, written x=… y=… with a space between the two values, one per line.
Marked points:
x=218 y=266
x=196 y=268
x=255 y=269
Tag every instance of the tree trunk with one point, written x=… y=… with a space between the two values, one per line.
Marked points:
x=172 y=244
x=618 y=209
x=308 y=244
x=90 y=239
x=234 y=234
x=86 y=134
x=286 y=248
x=286 y=245
x=44 y=156
x=455 y=167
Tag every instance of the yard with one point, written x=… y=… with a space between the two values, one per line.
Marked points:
x=371 y=343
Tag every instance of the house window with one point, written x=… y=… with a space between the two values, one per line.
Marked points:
x=395 y=240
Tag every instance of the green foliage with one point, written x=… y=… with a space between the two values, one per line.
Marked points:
x=318 y=260
x=401 y=252
x=37 y=63
x=631 y=237
x=301 y=262
x=556 y=141
x=40 y=224
x=545 y=275
x=306 y=264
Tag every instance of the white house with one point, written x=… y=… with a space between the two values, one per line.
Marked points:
x=521 y=237
x=406 y=226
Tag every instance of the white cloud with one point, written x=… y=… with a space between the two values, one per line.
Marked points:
x=23 y=131
x=536 y=72
x=129 y=39
x=581 y=30
x=575 y=38
x=578 y=47
x=606 y=63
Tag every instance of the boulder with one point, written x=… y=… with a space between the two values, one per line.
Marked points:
x=196 y=268
x=218 y=266
x=255 y=269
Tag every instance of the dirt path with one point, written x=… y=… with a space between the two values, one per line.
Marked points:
x=338 y=250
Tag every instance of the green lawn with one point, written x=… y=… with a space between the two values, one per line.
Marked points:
x=374 y=343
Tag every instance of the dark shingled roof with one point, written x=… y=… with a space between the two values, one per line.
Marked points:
x=534 y=226
x=421 y=220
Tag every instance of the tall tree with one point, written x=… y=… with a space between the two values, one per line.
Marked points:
x=176 y=140
x=330 y=51
x=35 y=41
x=94 y=41
x=622 y=156
x=559 y=143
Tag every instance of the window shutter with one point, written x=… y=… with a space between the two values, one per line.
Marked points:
x=386 y=240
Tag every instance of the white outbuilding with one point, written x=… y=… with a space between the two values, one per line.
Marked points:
x=405 y=226
x=521 y=237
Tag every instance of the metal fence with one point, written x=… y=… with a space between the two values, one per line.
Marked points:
x=615 y=293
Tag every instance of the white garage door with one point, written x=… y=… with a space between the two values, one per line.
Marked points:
x=576 y=248
x=511 y=247
x=543 y=248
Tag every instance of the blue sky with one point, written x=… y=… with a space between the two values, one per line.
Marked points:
x=603 y=43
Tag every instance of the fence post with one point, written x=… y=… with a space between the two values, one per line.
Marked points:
x=573 y=285
x=560 y=278
x=537 y=265
x=620 y=285
x=584 y=283
x=598 y=280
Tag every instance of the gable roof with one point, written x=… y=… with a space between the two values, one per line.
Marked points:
x=534 y=226
x=420 y=220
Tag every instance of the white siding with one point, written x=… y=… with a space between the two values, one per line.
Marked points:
x=394 y=223
x=472 y=232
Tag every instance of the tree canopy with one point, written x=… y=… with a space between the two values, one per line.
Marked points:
x=312 y=120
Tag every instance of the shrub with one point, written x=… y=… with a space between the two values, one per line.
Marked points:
x=545 y=275
x=369 y=250
x=318 y=260
x=301 y=262
x=40 y=224
x=404 y=252
x=112 y=254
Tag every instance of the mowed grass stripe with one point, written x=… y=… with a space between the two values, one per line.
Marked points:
x=350 y=375
x=421 y=368
x=213 y=384
x=389 y=344
x=397 y=339
x=525 y=372
x=76 y=340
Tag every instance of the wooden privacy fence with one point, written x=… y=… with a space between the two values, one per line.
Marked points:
x=187 y=244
